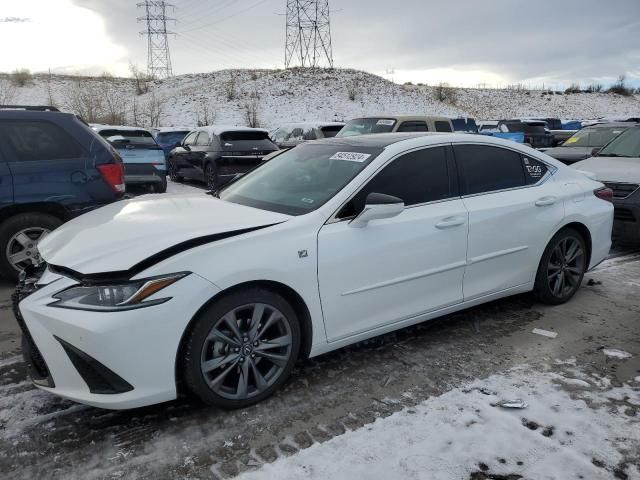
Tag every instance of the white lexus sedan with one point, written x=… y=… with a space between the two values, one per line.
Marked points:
x=328 y=244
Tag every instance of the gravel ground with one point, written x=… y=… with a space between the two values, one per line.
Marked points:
x=43 y=437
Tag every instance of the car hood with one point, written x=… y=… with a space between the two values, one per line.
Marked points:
x=569 y=154
x=612 y=169
x=119 y=236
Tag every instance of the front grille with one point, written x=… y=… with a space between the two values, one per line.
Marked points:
x=623 y=215
x=622 y=190
x=36 y=365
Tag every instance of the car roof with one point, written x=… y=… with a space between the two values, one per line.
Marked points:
x=311 y=124
x=220 y=129
x=611 y=124
x=99 y=128
x=174 y=129
x=405 y=118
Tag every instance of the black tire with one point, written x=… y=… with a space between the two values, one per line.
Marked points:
x=173 y=172
x=198 y=345
x=557 y=279
x=160 y=187
x=211 y=177
x=12 y=226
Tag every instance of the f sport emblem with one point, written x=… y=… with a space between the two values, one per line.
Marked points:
x=302 y=254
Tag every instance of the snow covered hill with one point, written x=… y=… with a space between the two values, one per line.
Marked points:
x=278 y=96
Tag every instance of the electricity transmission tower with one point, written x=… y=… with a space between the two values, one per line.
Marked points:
x=158 y=56
x=308 y=34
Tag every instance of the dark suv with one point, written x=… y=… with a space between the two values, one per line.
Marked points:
x=53 y=167
x=216 y=155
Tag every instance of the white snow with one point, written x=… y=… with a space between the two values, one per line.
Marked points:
x=615 y=353
x=285 y=96
x=449 y=436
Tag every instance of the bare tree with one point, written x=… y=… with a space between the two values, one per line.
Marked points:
x=47 y=85
x=620 y=87
x=230 y=87
x=353 y=90
x=7 y=92
x=149 y=111
x=251 y=113
x=86 y=99
x=114 y=105
x=206 y=115
x=141 y=79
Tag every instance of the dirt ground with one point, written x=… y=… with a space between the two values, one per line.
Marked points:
x=43 y=437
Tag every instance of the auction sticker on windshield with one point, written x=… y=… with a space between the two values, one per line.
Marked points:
x=350 y=156
x=386 y=122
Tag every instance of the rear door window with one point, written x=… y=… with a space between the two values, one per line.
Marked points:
x=534 y=170
x=488 y=169
x=413 y=127
x=39 y=140
x=442 y=126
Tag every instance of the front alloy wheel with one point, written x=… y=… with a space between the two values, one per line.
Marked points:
x=242 y=349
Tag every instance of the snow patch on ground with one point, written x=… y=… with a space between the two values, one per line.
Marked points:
x=615 y=353
x=460 y=432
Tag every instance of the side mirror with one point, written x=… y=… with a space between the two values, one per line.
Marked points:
x=595 y=151
x=186 y=147
x=177 y=145
x=377 y=207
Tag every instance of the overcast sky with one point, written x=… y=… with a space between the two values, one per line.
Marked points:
x=463 y=42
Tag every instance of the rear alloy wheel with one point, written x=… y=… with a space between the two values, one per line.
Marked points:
x=173 y=173
x=241 y=349
x=19 y=237
x=211 y=177
x=562 y=268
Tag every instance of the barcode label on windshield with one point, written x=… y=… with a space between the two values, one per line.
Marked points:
x=386 y=122
x=350 y=156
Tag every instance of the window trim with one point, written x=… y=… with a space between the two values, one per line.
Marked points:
x=333 y=218
x=551 y=169
x=197 y=144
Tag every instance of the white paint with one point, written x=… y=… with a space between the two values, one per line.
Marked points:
x=400 y=270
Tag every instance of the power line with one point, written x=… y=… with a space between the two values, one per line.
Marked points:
x=308 y=39
x=158 y=55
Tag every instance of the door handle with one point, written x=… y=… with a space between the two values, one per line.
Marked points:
x=450 y=222
x=546 y=201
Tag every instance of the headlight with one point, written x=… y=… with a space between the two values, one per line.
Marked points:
x=113 y=297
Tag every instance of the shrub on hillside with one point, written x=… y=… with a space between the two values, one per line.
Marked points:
x=573 y=88
x=21 y=77
x=620 y=87
x=444 y=93
x=595 y=88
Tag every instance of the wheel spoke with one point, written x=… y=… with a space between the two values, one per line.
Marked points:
x=218 y=362
x=233 y=325
x=21 y=256
x=274 y=343
x=216 y=334
x=277 y=359
x=553 y=275
x=258 y=312
x=261 y=382
x=571 y=251
x=23 y=239
x=243 y=380
x=217 y=381
x=267 y=324
x=556 y=287
x=575 y=255
x=574 y=270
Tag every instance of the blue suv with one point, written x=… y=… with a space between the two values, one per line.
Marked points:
x=53 y=167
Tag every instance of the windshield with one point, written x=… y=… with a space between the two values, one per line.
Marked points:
x=627 y=144
x=593 y=137
x=529 y=127
x=364 y=126
x=134 y=136
x=171 y=138
x=302 y=179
